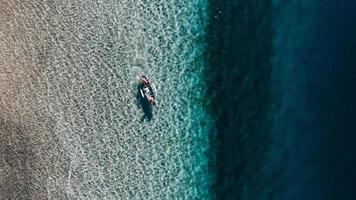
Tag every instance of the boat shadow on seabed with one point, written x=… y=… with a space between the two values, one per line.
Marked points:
x=144 y=104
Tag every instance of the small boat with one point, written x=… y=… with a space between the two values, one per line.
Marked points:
x=148 y=90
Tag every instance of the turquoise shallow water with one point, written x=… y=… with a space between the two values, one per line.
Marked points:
x=71 y=126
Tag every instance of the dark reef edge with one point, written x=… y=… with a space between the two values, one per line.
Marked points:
x=239 y=49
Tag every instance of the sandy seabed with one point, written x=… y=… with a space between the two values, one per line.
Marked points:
x=71 y=126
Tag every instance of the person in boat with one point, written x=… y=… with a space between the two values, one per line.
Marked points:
x=151 y=99
x=144 y=81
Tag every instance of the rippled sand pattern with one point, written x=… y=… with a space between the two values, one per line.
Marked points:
x=70 y=124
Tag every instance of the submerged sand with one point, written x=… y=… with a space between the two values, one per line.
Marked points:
x=71 y=123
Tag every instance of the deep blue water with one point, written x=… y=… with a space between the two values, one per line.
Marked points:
x=282 y=74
